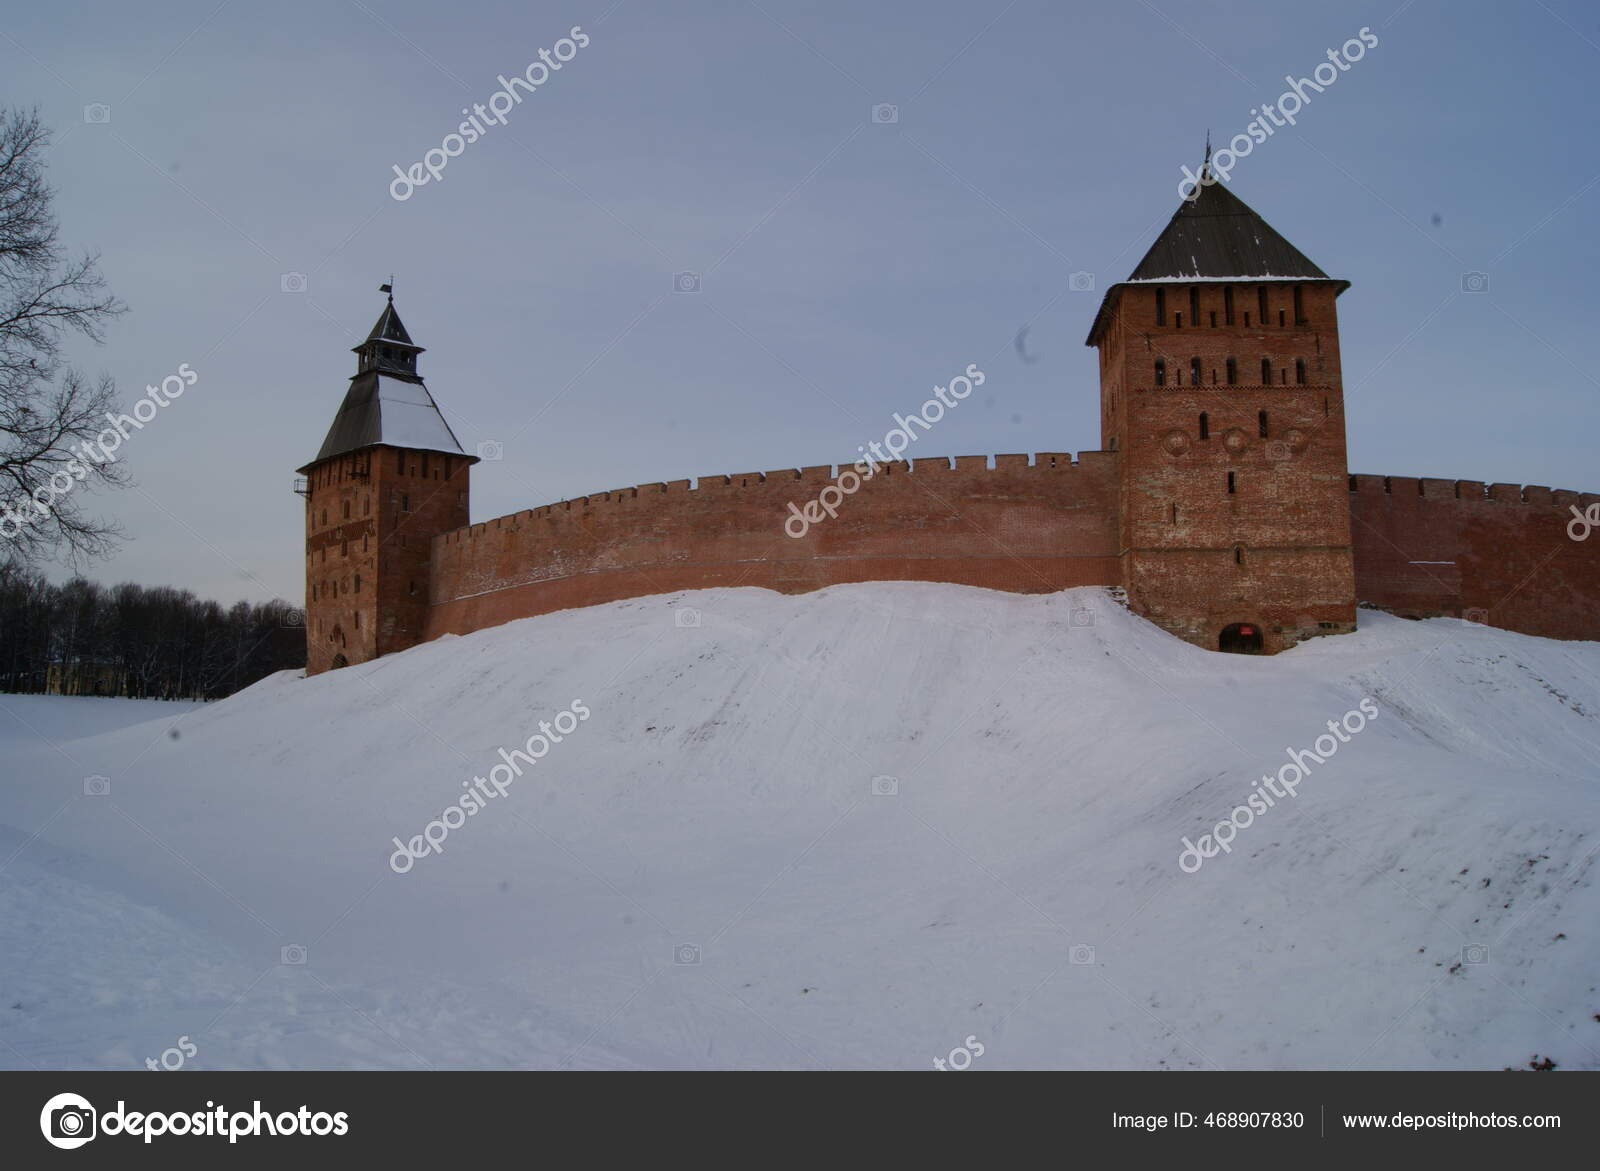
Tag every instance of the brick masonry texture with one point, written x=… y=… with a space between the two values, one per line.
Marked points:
x=1223 y=402
x=367 y=572
x=1015 y=526
x=1499 y=554
x=1221 y=497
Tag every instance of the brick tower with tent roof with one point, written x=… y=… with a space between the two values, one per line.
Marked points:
x=1221 y=395
x=388 y=478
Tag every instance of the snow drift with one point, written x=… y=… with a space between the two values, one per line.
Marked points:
x=848 y=829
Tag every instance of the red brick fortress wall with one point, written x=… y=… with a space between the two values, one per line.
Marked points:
x=1025 y=526
x=1500 y=554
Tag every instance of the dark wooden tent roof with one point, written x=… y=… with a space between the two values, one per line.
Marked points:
x=1215 y=236
x=388 y=403
x=389 y=328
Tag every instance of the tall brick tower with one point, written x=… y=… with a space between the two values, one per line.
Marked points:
x=389 y=477
x=1221 y=393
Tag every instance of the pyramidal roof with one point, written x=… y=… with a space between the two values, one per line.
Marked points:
x=388 y=403
x=1217 y=236
x=1214 y=236
x=389 y=327
x=380 y=408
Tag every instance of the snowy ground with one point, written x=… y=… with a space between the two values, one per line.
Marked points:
x=719 y=806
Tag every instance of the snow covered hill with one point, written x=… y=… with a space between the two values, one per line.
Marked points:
x=853 y=828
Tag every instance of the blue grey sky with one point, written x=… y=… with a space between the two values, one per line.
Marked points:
x=847 y=264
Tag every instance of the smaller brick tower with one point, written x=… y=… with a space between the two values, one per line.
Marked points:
x=389 y=478
x=1221 y=394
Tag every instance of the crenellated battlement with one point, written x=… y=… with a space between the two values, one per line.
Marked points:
x=1501 y=554
x=1470 y=491
x=1029 y=524
x=788 y=480
x=1220 y=500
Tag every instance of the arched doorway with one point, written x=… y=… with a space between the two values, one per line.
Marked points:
x=338 y=661
x=1242 y=638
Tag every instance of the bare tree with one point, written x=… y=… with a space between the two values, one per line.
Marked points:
x=49 y=413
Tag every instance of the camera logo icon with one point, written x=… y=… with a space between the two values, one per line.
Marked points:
x=686 y=953
x=292 y=282
x=294 y=619
x=1474 y=282
x=1082 y=616
x=491 y=449
x=1081 y=282
x=884 y=114
x=292 y=953
x=97 y=112
x=885 y=786
x=1278 y=450
x=685 y=282
x=1475 y=953
x=686 y=616
x=1081 y=953
x=68 y=1121
x=96 y=786
x=1476 y=616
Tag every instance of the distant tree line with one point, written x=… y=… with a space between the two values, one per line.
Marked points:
x=81 y=638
